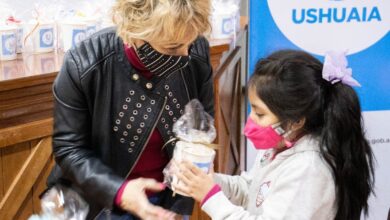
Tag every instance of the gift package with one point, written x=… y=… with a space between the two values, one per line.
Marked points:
x=225 y=18
x=49 y=26
x=62 y=203
x=195 y=133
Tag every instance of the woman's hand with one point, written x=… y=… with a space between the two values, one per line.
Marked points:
x=135 y=201
x=196 y=182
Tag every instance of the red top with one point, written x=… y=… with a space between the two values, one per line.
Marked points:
x=152 y=160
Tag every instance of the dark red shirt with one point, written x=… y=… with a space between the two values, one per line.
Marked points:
x=152 y=160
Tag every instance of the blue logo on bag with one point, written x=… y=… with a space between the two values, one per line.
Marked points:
x=227 y=26
x=46 y=38
x=8 y=43
x=91 y=30
x=203 y=166
x=77 y=36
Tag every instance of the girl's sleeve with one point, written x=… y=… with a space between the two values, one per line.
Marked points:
x=302 y=191
x=236 y=187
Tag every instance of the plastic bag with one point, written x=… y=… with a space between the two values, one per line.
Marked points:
x=62 y=203
x=225 y=18
x=195 y=131
x=195 y=125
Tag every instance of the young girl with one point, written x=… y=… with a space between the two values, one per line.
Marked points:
x=318 y=164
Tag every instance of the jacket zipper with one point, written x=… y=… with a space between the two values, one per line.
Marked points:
x=108 y=211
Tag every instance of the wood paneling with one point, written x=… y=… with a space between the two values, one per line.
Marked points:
x=40 y=185
x=1 y=175
x=26 y=132
x=26 y=208
x=18 y=185
x=228 y=93
x=13 y=158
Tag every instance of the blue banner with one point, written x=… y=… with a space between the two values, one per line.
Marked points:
x=359 y=27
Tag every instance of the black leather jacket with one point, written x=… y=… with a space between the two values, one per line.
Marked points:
x=105 y=113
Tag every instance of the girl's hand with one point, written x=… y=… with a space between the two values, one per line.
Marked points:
x=196 y=182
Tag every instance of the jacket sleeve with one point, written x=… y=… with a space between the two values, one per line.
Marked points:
x=236 y=188
x=206 y=90
x=203 y=74
x=71 y=139
x=300 y=192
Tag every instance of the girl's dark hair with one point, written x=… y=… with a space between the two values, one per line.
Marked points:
x=290 y=83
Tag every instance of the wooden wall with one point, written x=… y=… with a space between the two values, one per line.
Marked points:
x=25 y=163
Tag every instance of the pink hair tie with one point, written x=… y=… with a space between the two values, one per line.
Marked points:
x=335 y=69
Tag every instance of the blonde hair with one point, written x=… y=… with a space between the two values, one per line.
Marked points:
x=161 y=20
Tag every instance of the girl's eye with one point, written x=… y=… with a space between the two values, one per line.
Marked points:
x=259 y=115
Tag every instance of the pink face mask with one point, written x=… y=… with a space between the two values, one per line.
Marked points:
x=265 y=137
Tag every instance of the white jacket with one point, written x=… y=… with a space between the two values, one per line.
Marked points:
x=296 y=185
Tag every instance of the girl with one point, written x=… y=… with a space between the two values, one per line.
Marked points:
x=318 y=164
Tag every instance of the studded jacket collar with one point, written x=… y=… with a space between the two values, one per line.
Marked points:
x=105 y=113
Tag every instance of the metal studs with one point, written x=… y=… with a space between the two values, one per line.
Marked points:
x=174 y=100
x=122 y=140
x=128 y=126
x=132 y=144
x=117 y=121
x=131 y=92
x=130 y=150
x=170 y=113
x=139 y=130
x=170 y=94
x=166 y=126
x=135 y=112
x=135 y=77
x=135 y=137
x=143 y=98
x=115 y=128
x=174 y=119
x=138 y=105
x=166 y=87
x=125 y=133
x=125 y=107
x=128 y=99
x=149 y=110
x=152 y=101
x=162 y=120
x=142 y=125
x=131 y=118
x=177 y=105
x=121 y=114
x=146 y=117
x=181 y=112
x=149 y=85
x=167 y=107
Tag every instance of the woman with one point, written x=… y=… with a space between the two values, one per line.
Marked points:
x=116 y=98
